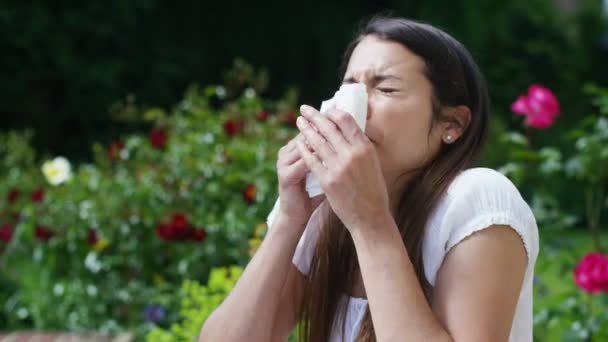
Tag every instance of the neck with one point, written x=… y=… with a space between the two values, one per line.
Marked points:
x=395 y=185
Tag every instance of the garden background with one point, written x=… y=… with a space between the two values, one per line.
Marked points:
x=138 y=143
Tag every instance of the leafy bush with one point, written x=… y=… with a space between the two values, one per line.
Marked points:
x=197 y=304
x=98 y=248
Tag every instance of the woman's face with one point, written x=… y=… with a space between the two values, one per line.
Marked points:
x=399 y=105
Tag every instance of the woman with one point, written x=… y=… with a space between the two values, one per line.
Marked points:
x=406 y=244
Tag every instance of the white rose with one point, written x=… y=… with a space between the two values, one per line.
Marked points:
x=57 y=171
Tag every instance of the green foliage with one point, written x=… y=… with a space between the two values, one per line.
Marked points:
x=578 y=165
x=217 y=168
x=99 y=52
x=563 y=312
x=197 y=303
x=589 y=164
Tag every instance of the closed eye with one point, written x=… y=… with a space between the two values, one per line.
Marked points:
x=387 y=90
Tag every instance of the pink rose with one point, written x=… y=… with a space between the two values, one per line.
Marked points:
x=591 y=273
x=539 y=106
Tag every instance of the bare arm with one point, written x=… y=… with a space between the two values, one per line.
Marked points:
x=265 y=288
x=475 y=295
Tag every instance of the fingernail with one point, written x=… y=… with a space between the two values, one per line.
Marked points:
x=304 y=109
x=300 y=121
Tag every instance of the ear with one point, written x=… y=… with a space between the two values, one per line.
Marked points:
x=454 y=122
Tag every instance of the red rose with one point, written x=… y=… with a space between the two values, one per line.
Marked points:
x=43 y=233
x=6 y=232
x=38 y=195
x=249 y=193
x=114 y=149
x=591 y=274
x=232 y=127
x=262 y=115
x=92 y=236
x=13 y=195
x=164 y=231
x=180 y=225
x=198 y=235
x=177 y=229
x=158 y=137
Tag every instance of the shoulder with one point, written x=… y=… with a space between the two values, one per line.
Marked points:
x=482 y=191
x=481 y=179
x=477 y=199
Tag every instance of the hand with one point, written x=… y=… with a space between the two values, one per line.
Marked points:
x=345 y=161
x=295 y=203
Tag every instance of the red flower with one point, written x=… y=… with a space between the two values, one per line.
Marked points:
x=92 y=236
x=232 y=127
x=591 y=274
x=38 y=195
x=6 y=232
x=114 y=149
x=540 y=106
x=198 y=235
x=249 y=193
x=178 y=229
x=180 y=225
x=290 y=119
x=262 y=115
x=43 y=233
x=13 y=195
x=164 y=231
x=158 y=137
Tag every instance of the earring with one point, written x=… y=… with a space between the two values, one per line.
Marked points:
x=448 y=138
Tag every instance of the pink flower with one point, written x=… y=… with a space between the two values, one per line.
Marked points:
x=539 y=106
x=591 y=273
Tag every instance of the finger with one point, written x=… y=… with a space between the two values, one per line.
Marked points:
x=286 y=153
x=312 y=161
x=290 y=157
x=326 y=127
x=316 y=141
x=291 y=145
x=347 y=124
x=298 y=169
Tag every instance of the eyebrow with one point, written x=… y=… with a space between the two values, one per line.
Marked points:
x=375 y=80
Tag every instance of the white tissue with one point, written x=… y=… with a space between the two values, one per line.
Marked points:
x=351 y=98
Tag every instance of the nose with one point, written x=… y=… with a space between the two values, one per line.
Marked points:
x=369 y=106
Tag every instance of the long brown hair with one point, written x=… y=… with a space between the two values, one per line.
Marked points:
x=456 y=80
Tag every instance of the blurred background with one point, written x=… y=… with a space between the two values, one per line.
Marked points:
x=138 y=142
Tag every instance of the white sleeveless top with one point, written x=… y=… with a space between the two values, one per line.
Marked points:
x=476 y=199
